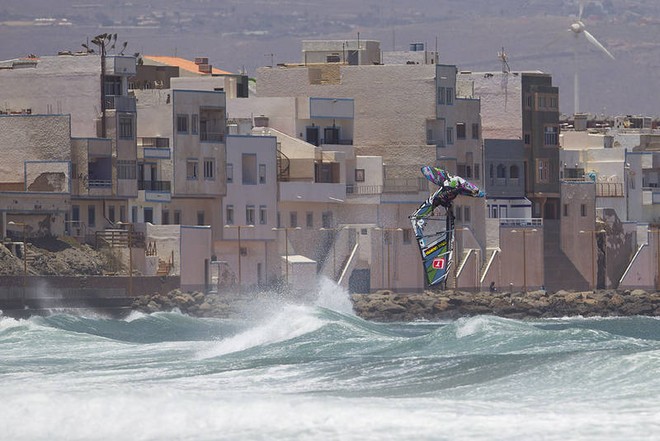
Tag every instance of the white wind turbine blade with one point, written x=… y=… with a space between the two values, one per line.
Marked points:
x=581 y=10
x=596 y=43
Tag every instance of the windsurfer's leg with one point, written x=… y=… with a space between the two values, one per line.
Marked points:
x=450 y=217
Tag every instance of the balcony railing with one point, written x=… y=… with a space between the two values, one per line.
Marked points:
x=153 y=142
x=363 y=189
x=521 y=222
x=155 y=185
x=609 y=189
x=120 y=102
x=99 y=183
x=211 y=136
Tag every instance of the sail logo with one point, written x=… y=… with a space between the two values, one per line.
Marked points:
x=439 y=263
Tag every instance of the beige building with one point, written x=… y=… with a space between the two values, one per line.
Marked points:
x=400 y=123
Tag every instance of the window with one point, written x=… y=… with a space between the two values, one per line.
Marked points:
x=583 y=210
x=91 y=216
x=194 y=124
x=125 y=127
x=263 y=219
x=501 y=171
x=542 y=171
x=475 y=130
x=182 y=123
x=126 y=169
x=466 y=214
x=460 y=130
x=165 y=217
x=200 y=218
x=551 y=135
x=491 y=172
x=458 y=212
x=513 y=172
x=262 y=173
x=148 y=214
x=75 y=213
x=477 y=174
x=249 y=169
x=230 y=173
x=293 y=219
x=565 y=210
x=111 y=213
x=112 y=85
x=441 y=95
x=309 y=219
x=450 y=96
x=331 y=135
x=209 y=168
x=134 y=214
x=122 y=213
x=529 y=101
x=450 y=135
x=192 y=171
x=528 y=139
x=177 y=217
x=359 y=175
x=229 y=215
x=249 y=214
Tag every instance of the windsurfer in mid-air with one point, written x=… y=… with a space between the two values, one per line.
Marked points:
x=436 y=245
x=450 y=188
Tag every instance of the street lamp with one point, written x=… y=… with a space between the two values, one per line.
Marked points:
x=389 y=242
x=129 y=243
x=524 y=259
x=24 y=226
x=286 y=246
x=239 y=248
x=593 y=250
x=336 y=231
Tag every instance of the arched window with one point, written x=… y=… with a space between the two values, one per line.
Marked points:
x=501 y=171
x=513 y=172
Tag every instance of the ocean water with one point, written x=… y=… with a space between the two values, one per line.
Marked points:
x=317 y=372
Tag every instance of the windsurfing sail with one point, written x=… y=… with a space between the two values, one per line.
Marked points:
x=435 y=238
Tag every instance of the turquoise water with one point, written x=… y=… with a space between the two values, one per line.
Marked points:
x=317 y=372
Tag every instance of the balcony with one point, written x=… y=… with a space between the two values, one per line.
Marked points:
x=211 y=136
x=120 y=103
x=156 y=191
x=162 y=186
x=521 y=222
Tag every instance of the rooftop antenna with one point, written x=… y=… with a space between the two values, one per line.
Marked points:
x=504 y=58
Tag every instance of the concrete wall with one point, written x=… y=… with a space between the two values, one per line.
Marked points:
x=383 y=95
x=578 y=213
x=32 y=138
x=57 y=85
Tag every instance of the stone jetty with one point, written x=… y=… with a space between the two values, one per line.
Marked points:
x=387 y=306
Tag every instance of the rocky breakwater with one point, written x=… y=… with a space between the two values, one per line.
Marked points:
x=390 y=306
x=192 y=303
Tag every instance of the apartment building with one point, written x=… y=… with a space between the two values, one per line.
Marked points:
x=401 y=122
x=182 y=166
x=103 y=125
